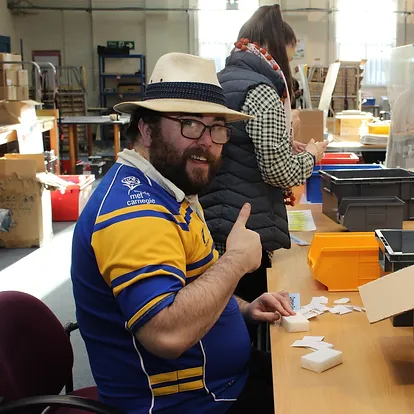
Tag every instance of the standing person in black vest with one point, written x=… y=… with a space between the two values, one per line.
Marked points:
x=258 y=163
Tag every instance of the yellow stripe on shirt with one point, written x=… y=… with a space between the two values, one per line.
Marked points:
x=117 y=290
x=190 y=372
x=174 y=389
x=170 y=389
x=202 y=269
x=191 y=386
x=141 y=207
x=166 y=377
x=146 y=308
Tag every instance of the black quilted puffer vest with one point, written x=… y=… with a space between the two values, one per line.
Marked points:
x=239 y=179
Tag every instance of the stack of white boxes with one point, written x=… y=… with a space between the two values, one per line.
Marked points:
x=14 y=81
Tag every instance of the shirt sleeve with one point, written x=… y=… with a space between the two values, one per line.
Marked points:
x=273 y=147
x=141 y=257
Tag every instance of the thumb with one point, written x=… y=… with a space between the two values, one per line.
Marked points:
x=312 y=141
x=244 y=215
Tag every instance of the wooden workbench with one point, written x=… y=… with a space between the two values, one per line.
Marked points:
x=377 y=374
x=8 y=133
x=73 y=121
x=341 y=143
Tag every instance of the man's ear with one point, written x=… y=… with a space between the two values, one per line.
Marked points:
x=145 y=131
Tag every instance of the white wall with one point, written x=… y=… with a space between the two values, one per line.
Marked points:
x=6 y=26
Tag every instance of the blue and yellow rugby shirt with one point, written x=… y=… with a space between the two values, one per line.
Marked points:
x=136 y=244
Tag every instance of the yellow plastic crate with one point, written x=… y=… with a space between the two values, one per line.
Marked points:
x=344 y=261
x=379 y=128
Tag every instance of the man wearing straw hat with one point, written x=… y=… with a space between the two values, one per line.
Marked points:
x=155 y=304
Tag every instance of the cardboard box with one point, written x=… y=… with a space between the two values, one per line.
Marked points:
x=23 y=114
x=311 y=125
x=10 y=57
x=389 y=295
x=29 y=202
x=18 y=112
x=22 y=78
x=8 y=77
x=350 y=124
x=22 y=93
x=8 y=93
x=129 y=88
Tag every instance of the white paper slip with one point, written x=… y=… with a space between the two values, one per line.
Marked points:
x=300 y=343
x=342 y=301
x=319 y=345
x=344 y=310
x=323 y=299
x=358 y=308
x=308 y=314
x=313 y=338
x=335 y=310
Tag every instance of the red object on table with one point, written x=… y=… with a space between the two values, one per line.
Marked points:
x=340 y=158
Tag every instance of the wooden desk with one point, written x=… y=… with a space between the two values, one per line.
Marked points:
x=377 y=374
x=73 y=121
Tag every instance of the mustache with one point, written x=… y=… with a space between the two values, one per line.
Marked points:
x=200 y=152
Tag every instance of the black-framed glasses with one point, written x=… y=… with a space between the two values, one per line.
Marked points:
x=194 y=129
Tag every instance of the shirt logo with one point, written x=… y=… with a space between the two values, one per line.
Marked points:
x=131 y=182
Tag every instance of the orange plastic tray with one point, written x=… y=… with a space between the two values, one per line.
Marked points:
x=344 y=261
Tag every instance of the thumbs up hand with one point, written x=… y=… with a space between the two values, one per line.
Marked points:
x=246 y=243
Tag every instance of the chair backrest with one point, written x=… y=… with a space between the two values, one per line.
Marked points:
x=36 y=356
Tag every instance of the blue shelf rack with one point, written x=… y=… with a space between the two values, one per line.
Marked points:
x=104 y=77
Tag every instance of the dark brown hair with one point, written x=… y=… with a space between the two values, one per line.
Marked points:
x=267 y=28
x=150 y=117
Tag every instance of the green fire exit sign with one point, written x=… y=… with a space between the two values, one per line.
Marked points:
x=116 y=44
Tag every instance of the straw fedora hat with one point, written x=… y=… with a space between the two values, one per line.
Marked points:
x=186 y=84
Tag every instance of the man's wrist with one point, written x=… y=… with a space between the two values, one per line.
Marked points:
x=236 y=260
x=243 y=306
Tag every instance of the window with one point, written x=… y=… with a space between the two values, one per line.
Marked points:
x=367 y=30
x=219 y=22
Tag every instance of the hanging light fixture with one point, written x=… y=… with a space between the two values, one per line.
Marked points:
x=232 y=5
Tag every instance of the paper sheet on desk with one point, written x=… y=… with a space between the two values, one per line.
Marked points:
x=301 y=220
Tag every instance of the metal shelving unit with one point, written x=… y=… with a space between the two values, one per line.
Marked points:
x=346 y=94
x=106 y=79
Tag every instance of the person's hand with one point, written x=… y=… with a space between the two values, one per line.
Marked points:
x=317 y=149
x=245 y=243
x=298 y=147
x=269 y=307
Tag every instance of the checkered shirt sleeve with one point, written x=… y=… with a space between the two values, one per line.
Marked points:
x=273 y=147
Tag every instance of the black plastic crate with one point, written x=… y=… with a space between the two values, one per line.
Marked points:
x=396 y=251
x=371 y=213
x=392 y=182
